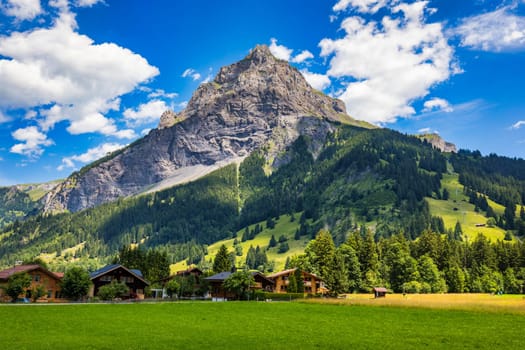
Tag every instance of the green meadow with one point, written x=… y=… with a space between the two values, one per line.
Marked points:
x=283 y=227
x=457 y=208
x=254 y=325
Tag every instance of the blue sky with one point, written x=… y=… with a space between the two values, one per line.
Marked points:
x=80 y=78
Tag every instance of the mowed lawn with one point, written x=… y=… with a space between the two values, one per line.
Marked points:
x=254 y=325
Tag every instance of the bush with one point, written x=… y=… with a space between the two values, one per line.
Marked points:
x=283 y=248
x=113 y=290
x=412 y=287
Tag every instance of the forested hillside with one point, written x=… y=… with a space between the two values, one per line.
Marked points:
x=14 y=205
x=376 y=178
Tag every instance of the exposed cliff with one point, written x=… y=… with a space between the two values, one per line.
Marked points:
x=258 y=101
x=438 y=142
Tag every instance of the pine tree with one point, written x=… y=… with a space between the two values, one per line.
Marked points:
x=250 y=258
x=272 y=242
x=292 y=284
x=299 y=280
x=458 y=232
x=222 y=260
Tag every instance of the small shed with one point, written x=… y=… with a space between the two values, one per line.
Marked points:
x=380 y=292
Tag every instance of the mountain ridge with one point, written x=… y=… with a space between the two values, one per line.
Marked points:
x=258 y=101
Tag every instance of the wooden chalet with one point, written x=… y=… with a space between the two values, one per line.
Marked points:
x=40 y=277
x=218 y=292
x=190 y=272
x=133 y=279
x=313 y=284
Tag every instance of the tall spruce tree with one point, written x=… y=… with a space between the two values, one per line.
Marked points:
x=222 y=261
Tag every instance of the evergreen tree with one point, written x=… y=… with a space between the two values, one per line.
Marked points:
x=251 y=260
x=261 y=260
x=292 y=284
x=283 y=248
x=272 y=242
x=458 y=231
x=445 y=194
x=509 y=215
x=352 y=265
x=222 y=260
x=245 y=234
x=299 y=280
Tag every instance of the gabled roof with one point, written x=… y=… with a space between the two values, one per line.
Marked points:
x=221 y=276
x=109 y=268
x=5 y=274
x=290 y=271
x=225 y=274
x=190 y=270
x=380 y=289
x=263 y=276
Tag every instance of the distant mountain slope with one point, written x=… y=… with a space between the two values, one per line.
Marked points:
x=16 y=202
x=259 y=101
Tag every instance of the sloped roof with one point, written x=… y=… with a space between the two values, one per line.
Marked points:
x=225 y=274
x=5 y=274
x=221 y=276
x=290 y=271
x=189 y=270
x=106 y=269
x=380 y=289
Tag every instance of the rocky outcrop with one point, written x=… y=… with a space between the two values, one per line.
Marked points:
x=257 y=101
x=437 y=142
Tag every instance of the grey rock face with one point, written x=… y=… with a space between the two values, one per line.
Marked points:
x=437 y=142
x=250 y=103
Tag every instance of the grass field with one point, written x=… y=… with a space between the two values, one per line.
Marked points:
x=255 y=325
x=284 y=226
x=457 y=208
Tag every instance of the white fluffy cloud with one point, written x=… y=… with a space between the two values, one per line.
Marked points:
x=32 y=141
x=146 y=112
x=303 y=56
x=317 y=81
x=284 y=53
x=192 y=73
x=388 y=64
x=91 y=155
x=437 y=104
x=22 y=9
x=75 y=79
x=280 y=51
x=365 y=6
x=496 y=31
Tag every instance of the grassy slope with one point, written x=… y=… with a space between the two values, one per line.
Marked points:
x=465 y=213
x=283 y=226
x=241 y=325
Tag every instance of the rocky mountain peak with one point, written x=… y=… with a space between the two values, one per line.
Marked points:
x=260 y=101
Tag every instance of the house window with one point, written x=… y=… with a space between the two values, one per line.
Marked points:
x=36 y=278
x=106 y=278
x=126 y=279
x=49 y=293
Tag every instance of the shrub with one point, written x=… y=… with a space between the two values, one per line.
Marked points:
x=412 y=287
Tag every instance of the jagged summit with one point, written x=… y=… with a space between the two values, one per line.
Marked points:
x=260 y=83
x=258 y=101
